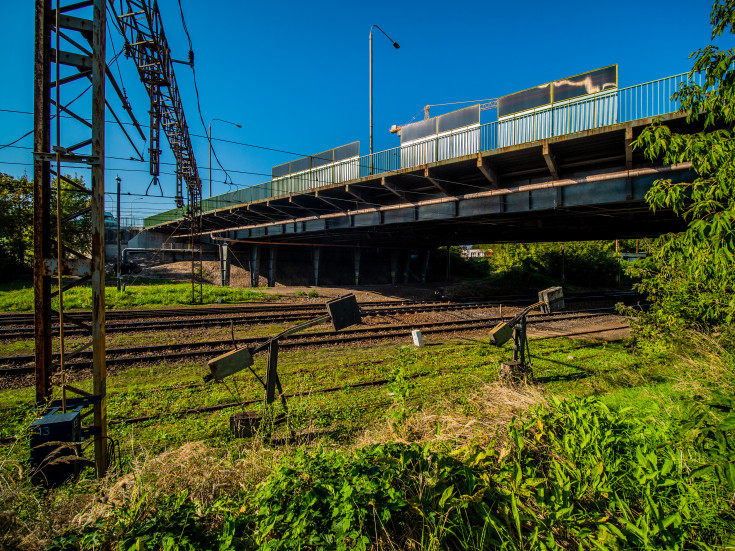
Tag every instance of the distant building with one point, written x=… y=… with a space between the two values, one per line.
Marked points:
x=474 y=254
x=630 y=257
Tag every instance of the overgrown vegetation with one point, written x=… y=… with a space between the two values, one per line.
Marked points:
x=16 y=222
x=690 y=276
x=574 y=474
x=582 y=263
x=442 y=461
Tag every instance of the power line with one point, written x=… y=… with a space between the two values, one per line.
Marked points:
x=196 y=90
x=17 y=140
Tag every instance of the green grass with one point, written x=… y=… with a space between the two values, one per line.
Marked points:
x=439 y=380
x=18 y=297
x=451 y=369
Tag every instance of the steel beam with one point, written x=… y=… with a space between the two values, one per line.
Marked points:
x=293 y=199
x=92 y=62
x=487 y=171
x=352 y=191
x=272 y=259
x=629 y=147
x=316 y=254
x=254 y=265
x=434 y=182
x=357 y=256
x=329 y=202
x=390 y=187
x=550 y=161
x=99 y=369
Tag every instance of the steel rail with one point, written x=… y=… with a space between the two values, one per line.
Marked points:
x=21 y=317
x=167 y=352
x=365 y=405
x=223 y=318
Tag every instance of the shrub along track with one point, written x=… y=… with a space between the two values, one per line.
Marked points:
x=16 y=326
x=13 y=366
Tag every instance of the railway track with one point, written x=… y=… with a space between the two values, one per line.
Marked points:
x=188 y=318
x=13 y=366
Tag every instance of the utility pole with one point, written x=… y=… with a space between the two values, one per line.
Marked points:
x=118 y=233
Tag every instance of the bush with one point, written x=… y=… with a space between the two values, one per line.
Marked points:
x=584 y=263
x=576 y=474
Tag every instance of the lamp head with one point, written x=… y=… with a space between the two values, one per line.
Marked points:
x=395 y=45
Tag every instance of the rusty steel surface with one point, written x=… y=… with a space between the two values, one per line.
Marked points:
x=99 y=369
x=53 y=22
x=42 y=201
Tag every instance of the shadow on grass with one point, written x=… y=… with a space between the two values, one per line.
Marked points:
x=563 y=378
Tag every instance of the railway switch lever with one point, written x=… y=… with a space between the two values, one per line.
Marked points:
x=549 y=301
x=342 y=312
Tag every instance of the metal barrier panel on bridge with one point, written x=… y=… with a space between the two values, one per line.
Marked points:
x=440 y=138
x=339 y=164
x=577 y=115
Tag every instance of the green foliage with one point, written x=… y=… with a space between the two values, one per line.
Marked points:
x=712 y=430
x=400 y=389
x=577 y=475
x=135 y=296
x=164 y=523
x=313 y=293
x=696 y=265
x=583 y=263
x=333 y=500
x=16 y=220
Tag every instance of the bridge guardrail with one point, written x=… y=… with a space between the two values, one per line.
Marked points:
x=649 y=99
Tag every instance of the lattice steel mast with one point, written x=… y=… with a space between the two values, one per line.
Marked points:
x=69 y=48
x=140 y=23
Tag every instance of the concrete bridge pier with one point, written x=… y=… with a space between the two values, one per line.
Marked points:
x=357 y=255
x=449 y=261
x=316 y=254
x=394 y=263
x=272 y=259
x=254 y=265
x=425 y=268
x=406 y=267
x=224 y=265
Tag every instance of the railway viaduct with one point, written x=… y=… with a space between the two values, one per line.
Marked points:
x=563 y=170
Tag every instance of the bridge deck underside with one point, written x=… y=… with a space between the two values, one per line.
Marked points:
x=589 y=185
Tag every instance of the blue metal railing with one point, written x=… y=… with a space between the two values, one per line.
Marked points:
x=650 y=99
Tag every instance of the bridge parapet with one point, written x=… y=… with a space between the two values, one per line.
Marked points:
x=599 y=110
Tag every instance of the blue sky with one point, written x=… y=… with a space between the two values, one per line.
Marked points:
x=295 y=74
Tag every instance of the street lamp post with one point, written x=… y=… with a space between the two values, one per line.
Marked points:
x=131 y=208
x=209 y=139
x=396 y=46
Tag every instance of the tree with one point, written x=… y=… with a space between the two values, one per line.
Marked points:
x=77 y=232
x=16 y=220
x=691 y=276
